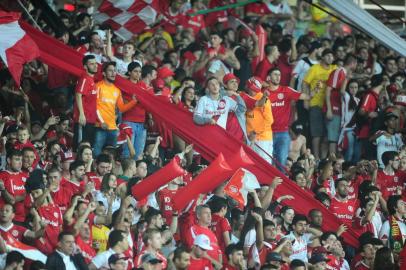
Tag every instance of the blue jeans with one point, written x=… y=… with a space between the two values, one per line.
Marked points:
x=353 y=152
x=281 y=145
x=138 y=139
x=103 y=138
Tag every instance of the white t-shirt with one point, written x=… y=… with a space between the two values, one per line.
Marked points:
x=208 y=108
x=384 y=233
x=102 y=259
x=100 y=197
x=384 y=143
x=299 y=247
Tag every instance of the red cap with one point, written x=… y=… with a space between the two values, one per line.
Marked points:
x=67 y=156
x=165 y=72
x=158 y=83
x=254 y=84
x=228 y=77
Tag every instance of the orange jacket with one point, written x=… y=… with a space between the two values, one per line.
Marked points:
x=108 y=97
x=260 y=120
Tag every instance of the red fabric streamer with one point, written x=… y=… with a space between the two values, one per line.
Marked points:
x=207 y=140
x=205 y=182
x=150 y=184
x=240 y=160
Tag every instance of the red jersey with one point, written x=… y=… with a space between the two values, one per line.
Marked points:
x=334 y=263
x=52 y=216
x=92 y=177
x=62 y=197
x=195 y=230
x=220 y=225
x=344 y=210
x=388 y=184
x=262 y=69
x=200 y=264
x=165 y=197
x=259 y=256
x=15 y=230
x=14 y=183
x=369 y=104
x=85 y=249
x=368 y=227
x=280 y=102
x=213 y=18
x=75 y=188
x=173 y=20
x=286 y=69
x=257 y=8
x=137 y=113
x=196 y=23
x=86 y=87
x=335 y=81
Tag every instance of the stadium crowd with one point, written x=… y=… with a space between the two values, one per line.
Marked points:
x=325 y=105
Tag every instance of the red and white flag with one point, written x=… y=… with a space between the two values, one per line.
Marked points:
x=16 y=47
x=128 y=17
x=28 y=252
x=240 y=184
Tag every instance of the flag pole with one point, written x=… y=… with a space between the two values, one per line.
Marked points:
x=205 y=11
x=29 y=15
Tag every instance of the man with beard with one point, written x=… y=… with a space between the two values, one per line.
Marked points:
x=108 y=98
x=84 y=111
x=75 y=183
x=12 y=184
x=301 y=236
x=341 y=205
x=281 y=98
x=181 y=258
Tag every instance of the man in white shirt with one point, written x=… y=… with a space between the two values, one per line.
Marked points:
x=302 y=236
x=118 y=243
x=63 y=258
x=397 y=211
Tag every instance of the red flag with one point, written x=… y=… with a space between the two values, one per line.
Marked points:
x=240 y=183
x=16 y=47
x=128 y=17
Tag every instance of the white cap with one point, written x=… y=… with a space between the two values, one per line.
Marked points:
x=203 y=242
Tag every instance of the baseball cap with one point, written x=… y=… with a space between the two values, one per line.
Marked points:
x=327 y=51
x=116 y=257
x=165 y=72
x=203 y=242
x=389 y=115
x=319 y=257
x=228 y=77
x=67 y=156
x=254 y=84
x=150 y=258
x=274 y=257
